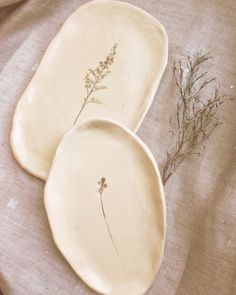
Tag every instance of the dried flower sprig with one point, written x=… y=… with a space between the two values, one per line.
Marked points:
x=94 y=77
x=102 y=185
x=196 y=116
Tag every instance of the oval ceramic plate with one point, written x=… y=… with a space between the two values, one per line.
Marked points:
x=107 y=60
x=105 y=203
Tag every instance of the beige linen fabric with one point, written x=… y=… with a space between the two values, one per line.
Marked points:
x=200 y=255
x=7 y=2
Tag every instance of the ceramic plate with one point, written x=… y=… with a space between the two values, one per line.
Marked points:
x=107 y=60
x=105 y=203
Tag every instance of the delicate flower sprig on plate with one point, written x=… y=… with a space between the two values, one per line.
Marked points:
x=102 y=185
x=196 y=116
x=93 y=80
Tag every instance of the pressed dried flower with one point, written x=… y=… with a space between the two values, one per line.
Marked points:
x=93 y=79
x=102 y=185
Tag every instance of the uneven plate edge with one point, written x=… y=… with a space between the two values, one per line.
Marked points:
x=43 y=176
x=148 y=152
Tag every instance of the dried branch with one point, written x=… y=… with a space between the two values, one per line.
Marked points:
x=93 y=80
x=196 y=116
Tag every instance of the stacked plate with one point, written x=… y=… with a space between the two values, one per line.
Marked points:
x=74 y=127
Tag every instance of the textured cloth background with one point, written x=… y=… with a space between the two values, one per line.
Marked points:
x=200 y=255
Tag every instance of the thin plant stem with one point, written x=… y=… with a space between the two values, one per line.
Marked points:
x=93 y=80
x=102 y=186
x=88 y=96
x=195 y=117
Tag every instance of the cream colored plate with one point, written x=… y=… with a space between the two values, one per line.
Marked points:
x=105 y=203
x=54 y=97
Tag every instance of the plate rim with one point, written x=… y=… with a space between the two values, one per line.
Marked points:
x=148 y=152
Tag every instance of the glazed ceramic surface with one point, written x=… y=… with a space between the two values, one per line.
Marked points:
x=105 y=203
x=55 y=96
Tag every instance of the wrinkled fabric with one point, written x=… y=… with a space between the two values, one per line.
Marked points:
x=200 y=252
x=4 y=3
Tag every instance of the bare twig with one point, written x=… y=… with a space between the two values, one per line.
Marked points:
x=196 y=116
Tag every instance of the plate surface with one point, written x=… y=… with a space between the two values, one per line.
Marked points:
x=105 y=203
x=134 y=45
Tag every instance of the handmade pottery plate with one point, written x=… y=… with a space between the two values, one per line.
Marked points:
x=105 y=203
x=107 y=60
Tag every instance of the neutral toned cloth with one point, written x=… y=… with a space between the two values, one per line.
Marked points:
x=200 y=255
x=4 y=3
